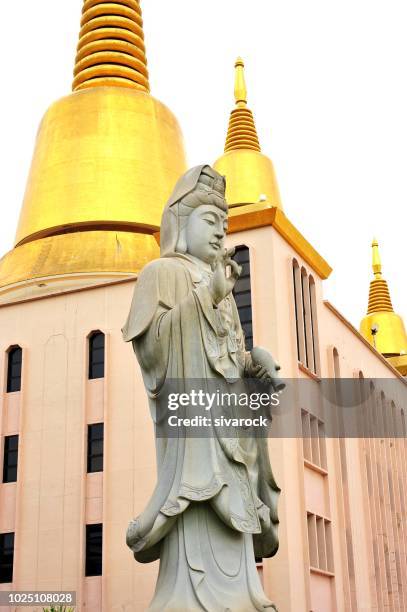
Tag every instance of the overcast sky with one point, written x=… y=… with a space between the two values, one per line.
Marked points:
x=327 y=85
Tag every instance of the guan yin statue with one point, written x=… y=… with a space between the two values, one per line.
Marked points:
x=214 y=508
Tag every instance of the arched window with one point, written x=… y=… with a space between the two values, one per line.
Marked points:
x=306 y=318
x=243 y=295
x=403 y=423
x=299 y=314
x=15 y=360
x=96 y=355
x=337 y=368
x=314 y=326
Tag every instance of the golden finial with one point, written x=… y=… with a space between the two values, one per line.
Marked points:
x=376 y=262
x=382 y=327
x=379 y=296
x=240 y=84
x=242 y=133
x=111 y=47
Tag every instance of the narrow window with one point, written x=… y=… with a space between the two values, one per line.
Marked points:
x=95 y=447
x=322 y=444
x=306 y=434
x=306 y=310
x=306 y=318
x=299 y=313
x=295 y=267
x=94 y=540
x=320 y=543
x=15 y=359
x=337 y=369
x=313 y=432
x=243 y=295
x=6 y=557
x=10 y=459
x=329 y=546
x=96 y=355
x=403 y=423
x=312 y=539
x=314 y=325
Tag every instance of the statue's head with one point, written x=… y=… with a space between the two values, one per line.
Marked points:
x=195 y=218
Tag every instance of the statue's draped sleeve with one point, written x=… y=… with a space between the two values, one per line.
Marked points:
x=172 y=315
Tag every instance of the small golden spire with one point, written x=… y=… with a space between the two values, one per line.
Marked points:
x=240 y=84
x=376 y=261
x=111 y=47
x=242 y=133
x=382 y=327
x=379 y=296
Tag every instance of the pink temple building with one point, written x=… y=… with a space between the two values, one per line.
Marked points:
x=77 y=441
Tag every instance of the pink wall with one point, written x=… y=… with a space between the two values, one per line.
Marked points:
x=54 y=498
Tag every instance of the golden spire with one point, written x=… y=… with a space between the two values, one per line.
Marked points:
x=250 y=178
x=376 y=261
x=240 y=84
x=382 y=327
x=111 y=47
x=242 y=133
x=101 y=153
x=379 y=296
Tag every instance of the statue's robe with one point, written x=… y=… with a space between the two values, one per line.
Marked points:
x=215 y=497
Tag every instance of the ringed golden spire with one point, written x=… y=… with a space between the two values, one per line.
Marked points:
x=379 y=295
x=242 y=133
x=250 y=178
x=106 y=159
x=382 y=327
x=111 y=47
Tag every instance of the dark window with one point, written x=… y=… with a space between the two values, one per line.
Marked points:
x=314 y=325
x=97 y=355
x=95 y=447
x=10 y=459
x=305 y=311
x=242 y=294
x=6 y=557
x=306 y=318
x=15 y=359
x=297 y=323
x=94 y=539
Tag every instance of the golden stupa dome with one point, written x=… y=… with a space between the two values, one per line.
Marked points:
x=106 y=159
x=250 y=176
x=381 y=326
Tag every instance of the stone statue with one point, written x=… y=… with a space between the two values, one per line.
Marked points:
x=214 y=508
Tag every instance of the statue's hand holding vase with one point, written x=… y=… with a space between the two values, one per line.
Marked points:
x=264 y=367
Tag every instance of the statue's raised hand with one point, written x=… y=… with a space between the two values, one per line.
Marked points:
x=222 y=283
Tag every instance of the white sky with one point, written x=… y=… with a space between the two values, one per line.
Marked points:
x=327 y=85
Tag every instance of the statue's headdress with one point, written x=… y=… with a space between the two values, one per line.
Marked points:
x=198 y=186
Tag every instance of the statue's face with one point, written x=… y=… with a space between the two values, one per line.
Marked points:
x=205 y=232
